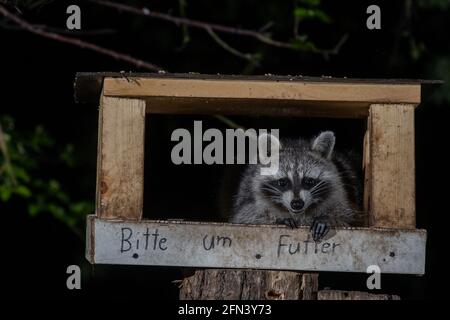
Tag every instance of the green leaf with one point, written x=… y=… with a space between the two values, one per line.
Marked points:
x=82 y=207
x=34 y=209
x=67 y=156
x=21 y=174
x=434 y=4
x=5 y=193
x=57 y=211
x=23 y=191
x=53 y=185
x=322 y=16
x=304 y=13
x=300 y=45
x=416 y=49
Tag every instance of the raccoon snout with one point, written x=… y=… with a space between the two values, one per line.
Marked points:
x=297 y=204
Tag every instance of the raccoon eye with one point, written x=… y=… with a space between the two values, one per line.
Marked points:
x=309 y=182
x=282 y=182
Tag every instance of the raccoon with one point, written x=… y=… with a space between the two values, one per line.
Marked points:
x=313 y=186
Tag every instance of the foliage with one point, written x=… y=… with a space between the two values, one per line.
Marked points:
x=26 y=159
x=439 y=4
x=307 y=10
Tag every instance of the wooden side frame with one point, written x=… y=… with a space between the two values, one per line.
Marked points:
x=120 y=158
x=390 y=166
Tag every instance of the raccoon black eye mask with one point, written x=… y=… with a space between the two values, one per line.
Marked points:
x=308 y=189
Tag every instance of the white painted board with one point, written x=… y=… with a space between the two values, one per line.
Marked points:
x=216 y=245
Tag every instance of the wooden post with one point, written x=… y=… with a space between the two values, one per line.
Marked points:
x=120 y=162
x=391 y=169
x=224 y=284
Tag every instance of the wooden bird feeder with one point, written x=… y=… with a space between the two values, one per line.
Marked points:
x=117 y=234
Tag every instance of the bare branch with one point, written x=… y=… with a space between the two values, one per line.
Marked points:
x=227 y=47
x=77 y=42
x=335 y=50
x=217 y=28
x=194 y=23
x=182 y=9
x=94 y=32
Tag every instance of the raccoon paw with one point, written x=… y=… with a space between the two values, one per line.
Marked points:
x=319 y=229
x=290 y=222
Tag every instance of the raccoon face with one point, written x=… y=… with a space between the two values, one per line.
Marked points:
x=306 y=176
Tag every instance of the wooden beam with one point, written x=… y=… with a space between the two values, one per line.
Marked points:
x=257 y=107
x=222 y=245
x=88 y=85
x=212 y=96
x=353 y=295
x=392 y=169
x=120 y=158
x=240 y=89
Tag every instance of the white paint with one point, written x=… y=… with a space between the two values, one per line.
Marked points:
x=186 y=244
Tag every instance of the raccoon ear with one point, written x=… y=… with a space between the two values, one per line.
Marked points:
x=324 y=144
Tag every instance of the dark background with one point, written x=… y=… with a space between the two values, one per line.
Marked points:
x=37 y=90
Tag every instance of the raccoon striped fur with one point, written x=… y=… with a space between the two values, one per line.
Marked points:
x=314 y=186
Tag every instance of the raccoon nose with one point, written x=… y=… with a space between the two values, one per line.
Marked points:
x=297 y=204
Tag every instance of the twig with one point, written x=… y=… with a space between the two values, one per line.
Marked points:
x=259 y=35
x=335 y=50
x=227 y=47
x=77 y=42
x=185 y=30
x=95 y=32
x=194 y=23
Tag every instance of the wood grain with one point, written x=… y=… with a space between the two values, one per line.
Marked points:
x=239 y=89
x=353 y=295
x=88 y=85
x=264 y=247
x=367 y=175
x=257 y=107
x=392 y=166
x=223 y=284
x=120 y=163
x=225 y=96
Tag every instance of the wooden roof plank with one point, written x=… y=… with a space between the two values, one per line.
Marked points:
x=267 y=90
x=88 y=85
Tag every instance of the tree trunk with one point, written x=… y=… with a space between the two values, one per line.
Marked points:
x=237 y=284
